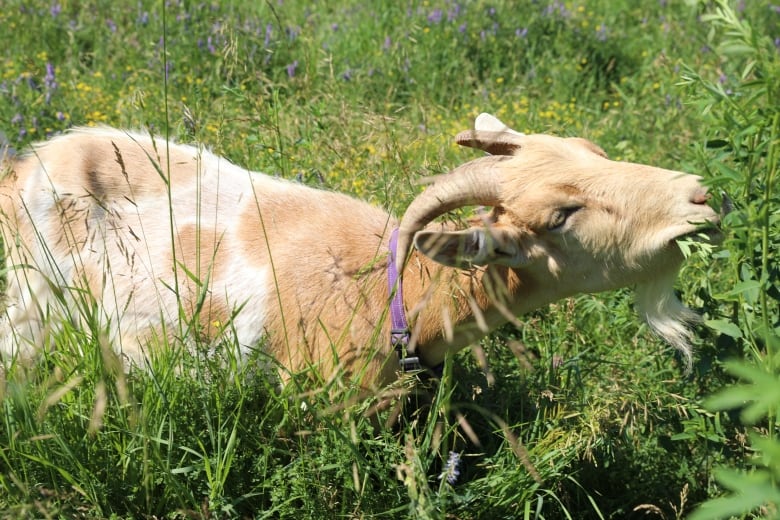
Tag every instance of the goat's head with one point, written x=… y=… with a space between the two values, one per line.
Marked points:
x=568 y=218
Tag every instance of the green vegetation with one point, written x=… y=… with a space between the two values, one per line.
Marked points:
x=580 y=413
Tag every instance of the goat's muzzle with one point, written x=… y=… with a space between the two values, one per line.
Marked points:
x=710 y=230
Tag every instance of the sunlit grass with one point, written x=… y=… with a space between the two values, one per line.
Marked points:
x=580 y=413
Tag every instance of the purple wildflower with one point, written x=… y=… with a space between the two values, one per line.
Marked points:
x=388 y=43
x=724 y=80
x=17 y=119
x=451 y=470
x=49 y=81
x=453 y=13
x=347 y=75
x=291 y=68
x=111 y=24
x=55 y=9
x=462 y=28
x=436 y=16
x=521 y=33
x=777 y=43
x=556 y=8
x=775 y=8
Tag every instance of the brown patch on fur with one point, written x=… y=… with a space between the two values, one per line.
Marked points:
x=112 y=166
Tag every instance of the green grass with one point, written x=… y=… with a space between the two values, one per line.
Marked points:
x=580 y=413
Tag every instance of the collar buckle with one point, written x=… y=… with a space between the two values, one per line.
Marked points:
x=410 y=364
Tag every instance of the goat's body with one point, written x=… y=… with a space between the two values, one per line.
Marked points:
x=151 y=242
x=103 y=224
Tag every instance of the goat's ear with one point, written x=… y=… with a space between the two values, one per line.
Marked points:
x=492 y=136
x=469 y=247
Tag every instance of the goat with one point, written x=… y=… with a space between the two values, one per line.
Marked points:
x=155 y=231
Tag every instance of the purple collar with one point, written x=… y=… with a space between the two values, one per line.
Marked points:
x=399 y=327
x=400 y=335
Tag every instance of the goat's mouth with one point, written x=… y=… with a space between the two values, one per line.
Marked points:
x=707 y=232
x=701 y=231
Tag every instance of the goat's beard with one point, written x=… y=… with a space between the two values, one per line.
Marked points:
x=660 y=308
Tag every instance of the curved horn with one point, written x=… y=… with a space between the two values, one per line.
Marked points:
x=472 y=183
x=494 y=143
x=491 y=135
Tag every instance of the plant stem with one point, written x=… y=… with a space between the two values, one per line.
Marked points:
x=772 y=157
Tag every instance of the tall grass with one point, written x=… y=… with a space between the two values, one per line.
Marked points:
x=744 y=156
x=580 y=413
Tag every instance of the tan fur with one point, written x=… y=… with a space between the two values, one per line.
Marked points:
x=149 y=228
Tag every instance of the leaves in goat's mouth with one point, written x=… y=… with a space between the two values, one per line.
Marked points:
x=699 y=243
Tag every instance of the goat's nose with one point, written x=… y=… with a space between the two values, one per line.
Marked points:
x=700 y=196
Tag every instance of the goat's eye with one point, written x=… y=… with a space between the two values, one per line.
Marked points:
x=560 y=216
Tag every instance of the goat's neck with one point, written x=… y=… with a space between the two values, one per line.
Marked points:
x=450 y=309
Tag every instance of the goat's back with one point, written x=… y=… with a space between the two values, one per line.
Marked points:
x=153 y=231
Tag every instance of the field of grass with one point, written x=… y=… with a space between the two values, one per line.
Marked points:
x=581 y=413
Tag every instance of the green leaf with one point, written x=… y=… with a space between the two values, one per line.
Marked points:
x=737 y=49
x=749 y=289
x=725 y=327
x=727 y=171
x=747 y=371
x=760 y=396
x=732 y=397
x=768 y=452
x=717 y=143
x=750 y=491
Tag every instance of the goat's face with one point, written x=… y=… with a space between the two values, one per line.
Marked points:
x=569 y=220
x=590 y=223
